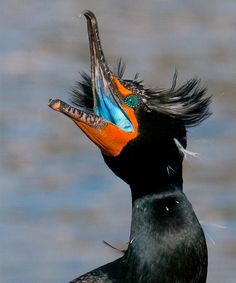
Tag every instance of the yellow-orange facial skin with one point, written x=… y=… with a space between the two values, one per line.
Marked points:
x=122 y=89
x=110 y=138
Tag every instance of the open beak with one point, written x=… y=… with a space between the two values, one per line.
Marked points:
x=112 y=124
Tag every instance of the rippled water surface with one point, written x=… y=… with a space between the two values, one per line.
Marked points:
x=58 y=201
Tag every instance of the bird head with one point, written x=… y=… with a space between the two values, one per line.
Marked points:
x=126 y=120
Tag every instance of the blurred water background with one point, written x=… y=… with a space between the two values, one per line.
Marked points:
x=58 y=201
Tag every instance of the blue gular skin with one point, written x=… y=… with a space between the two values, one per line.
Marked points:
x=108 y=108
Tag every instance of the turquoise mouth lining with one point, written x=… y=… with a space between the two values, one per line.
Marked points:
x=107 y=108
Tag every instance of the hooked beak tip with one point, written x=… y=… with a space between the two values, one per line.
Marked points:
x=55 y=104
x=88 y=14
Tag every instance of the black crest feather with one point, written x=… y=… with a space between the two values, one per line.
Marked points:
x=187 y=103
x=82 y=94
x=120 y=68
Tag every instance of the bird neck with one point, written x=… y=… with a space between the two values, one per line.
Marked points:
x=156 y=185
x=148 y=171
x=167 y=243
x=162 y=174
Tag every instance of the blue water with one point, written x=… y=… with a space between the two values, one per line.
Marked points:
x=58 y=201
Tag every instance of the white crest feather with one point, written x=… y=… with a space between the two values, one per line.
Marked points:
x=184 y=151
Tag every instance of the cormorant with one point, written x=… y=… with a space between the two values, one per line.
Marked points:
x=141 y=133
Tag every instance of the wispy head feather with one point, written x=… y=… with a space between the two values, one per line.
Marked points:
x=120 y=68
x=187 y=103
x=82 y=94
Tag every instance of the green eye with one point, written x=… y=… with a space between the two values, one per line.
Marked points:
x=132 y=101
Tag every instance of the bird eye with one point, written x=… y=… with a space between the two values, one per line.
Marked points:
x=132 y=101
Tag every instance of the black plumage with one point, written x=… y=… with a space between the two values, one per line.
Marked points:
x=167 y=243
x=143 y=144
